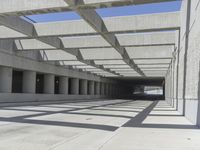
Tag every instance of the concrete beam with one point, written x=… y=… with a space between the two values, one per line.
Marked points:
x=13 y=61
x=27 y=7
x=152 y=61
x=18 y=24
x=97 y=23
x=22 y=26
x=121 y=24
x=131 y=40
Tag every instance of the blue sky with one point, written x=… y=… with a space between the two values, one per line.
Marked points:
x=109 y=12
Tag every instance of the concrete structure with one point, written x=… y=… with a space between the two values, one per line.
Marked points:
x=93 y=60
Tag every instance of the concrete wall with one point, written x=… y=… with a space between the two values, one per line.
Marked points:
x=188 y=90
x=184 y=89
x=30 y=65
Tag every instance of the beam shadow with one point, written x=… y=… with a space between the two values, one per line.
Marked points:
x=62 y=124
x=167 y=126
x=138 y=119
x=165 y=115
x=135 y=121
x=116 y=110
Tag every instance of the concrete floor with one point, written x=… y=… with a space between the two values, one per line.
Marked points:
x=99 y=125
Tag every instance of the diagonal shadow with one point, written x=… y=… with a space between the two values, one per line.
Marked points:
x=24 y=119
x=66 y=111
x=62 y=124
x=138 y=119
x=116 y=110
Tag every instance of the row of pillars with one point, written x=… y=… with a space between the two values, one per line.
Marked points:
x=66 y=85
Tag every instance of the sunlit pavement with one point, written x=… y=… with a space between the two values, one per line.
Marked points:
x=97 y=125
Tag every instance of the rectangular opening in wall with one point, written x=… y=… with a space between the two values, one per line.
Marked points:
x=88 y=88
x=39 y=83
x=69 y=86
x=148 y=89
x=57 y=84
x=153 y=90
x=80 y=86
x=17 y=81
x=95 y=88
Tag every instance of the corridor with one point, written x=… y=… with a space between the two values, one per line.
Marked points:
x=96 y=125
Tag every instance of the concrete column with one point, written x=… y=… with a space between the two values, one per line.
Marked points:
x=29 y=81
x=63 y=85
x=74 y=86
x=97 y=88
x=49 y=83
x=91 y=87
x=83 y=87
x=5 y=79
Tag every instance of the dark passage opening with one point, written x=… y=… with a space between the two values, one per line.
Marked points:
x=57 y=84
x=39 y=83
x=69 y=86
x=17 y=81
x=88 y=88
x=144 y=88
x=80 y=92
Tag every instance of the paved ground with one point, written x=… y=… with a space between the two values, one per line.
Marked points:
x=100 y=125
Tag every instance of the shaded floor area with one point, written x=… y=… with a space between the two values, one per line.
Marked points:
x=97 y=125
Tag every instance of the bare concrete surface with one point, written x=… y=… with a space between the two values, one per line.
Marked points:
x=97 y=125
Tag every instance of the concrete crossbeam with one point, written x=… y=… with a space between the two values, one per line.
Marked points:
x=97 y=23
x=17 y=24
x=135 y=23
x=132 y=40
x=25 y=7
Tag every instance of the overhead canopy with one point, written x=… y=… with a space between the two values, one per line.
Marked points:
x=135 y=45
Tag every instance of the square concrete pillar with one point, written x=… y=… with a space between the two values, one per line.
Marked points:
x=49 y=81
x=83 y=87
x=74 y=86
x=5 y=79
x=97 y=88
x=91 y=87
x=63 y=85
x=29 y=81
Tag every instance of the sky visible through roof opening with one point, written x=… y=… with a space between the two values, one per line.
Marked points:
x=110 y=12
